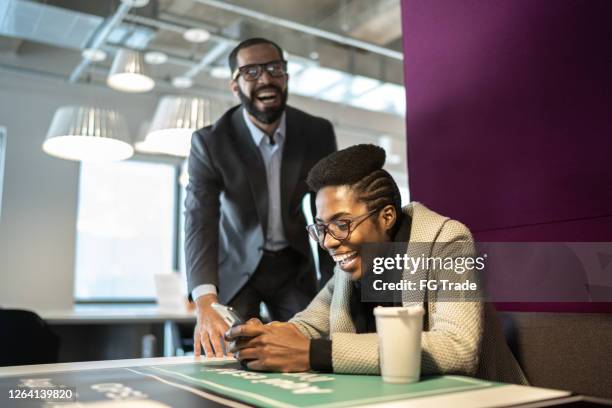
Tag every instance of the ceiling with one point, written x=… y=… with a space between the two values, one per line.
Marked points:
x=344 y=51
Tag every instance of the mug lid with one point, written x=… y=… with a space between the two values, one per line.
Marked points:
x=399 y=311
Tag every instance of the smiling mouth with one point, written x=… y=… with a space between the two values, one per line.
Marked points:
x=267 y=96
x=345 y=259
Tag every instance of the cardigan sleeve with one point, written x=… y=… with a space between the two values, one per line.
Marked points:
x=313 y=321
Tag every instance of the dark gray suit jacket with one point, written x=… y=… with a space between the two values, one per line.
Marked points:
x=227 y=200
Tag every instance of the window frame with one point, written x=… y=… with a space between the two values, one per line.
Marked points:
x=3 y=148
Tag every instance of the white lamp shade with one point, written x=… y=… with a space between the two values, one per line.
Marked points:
x=140 y=144
x=128 y=73
x=88 y=134
x=175 y=120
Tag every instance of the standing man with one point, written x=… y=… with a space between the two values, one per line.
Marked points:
x=245 y=238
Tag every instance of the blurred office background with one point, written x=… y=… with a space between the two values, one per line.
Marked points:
x=493 y=112
x=86 y=231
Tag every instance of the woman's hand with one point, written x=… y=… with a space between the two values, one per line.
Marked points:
x=272 y=347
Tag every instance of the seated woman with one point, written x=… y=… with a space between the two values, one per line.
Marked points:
x=358 y=202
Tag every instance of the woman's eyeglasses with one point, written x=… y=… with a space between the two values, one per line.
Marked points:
x=340 y=229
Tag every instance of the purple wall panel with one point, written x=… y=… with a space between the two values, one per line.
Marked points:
x=597 y=229
x=509 y=119
x=509 y=114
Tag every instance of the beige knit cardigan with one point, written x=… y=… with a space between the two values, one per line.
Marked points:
x=458 y=338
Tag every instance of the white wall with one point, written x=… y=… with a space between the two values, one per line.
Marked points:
x=39 y=205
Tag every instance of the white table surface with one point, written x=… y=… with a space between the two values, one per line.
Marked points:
x=99 y=314
x=94 y=365
x=490 y=397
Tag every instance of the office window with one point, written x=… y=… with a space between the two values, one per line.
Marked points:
x=125 y=229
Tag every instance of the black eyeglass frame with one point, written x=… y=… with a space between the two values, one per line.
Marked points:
x=351 y=226
x=268 y=66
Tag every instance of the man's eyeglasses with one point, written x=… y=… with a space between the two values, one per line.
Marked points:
x=252 y=72
x=340 y=229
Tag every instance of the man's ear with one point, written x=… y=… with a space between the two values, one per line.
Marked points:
x=234 y=87
x=388 y=217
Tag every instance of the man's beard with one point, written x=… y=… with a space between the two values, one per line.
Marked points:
x=267 y=116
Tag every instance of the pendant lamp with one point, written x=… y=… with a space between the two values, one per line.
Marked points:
x=88 y=134
x=128 y=73
x=175 y=120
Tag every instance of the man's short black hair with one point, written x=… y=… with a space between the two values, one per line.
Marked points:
x=359 y=167
x=233 y=56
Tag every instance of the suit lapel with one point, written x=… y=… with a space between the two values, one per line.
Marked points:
x=254 y=166
x=293 y=155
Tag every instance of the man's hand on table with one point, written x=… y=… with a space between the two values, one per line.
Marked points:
x=210 y=328
x=272 y=347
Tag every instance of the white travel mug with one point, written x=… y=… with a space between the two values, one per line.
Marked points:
x=399 y=333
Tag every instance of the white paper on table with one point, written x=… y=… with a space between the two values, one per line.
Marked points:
x=171 y=292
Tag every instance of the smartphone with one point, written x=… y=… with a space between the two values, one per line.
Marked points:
x=227 y=313
x=232 y=318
